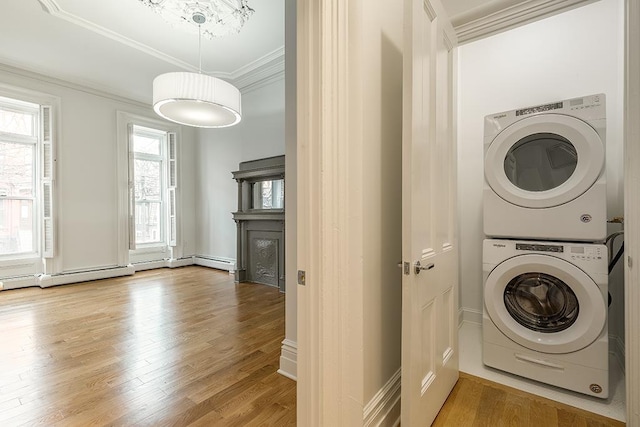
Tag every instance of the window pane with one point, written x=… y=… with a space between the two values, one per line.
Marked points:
x=148 y=180
x=16 y=170
x=148 y=224
x=143 y=144
x=16 y=226
x=18 y=122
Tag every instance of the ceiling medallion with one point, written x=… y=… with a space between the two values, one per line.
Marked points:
x=220 y=17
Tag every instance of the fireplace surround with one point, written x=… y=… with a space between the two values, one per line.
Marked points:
x=260 y=222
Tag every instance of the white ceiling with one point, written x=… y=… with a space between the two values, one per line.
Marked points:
x=119 y=46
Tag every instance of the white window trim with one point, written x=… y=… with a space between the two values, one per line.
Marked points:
x=125 y=255
x=33 y=263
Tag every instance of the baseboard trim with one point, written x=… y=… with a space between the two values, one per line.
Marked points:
x=18 y=283
x=180 y=262
x=289 y=359
x=149 y=265
x=383 y=409
x=469 y=315
x=45 y=280
x=163 y=263
x=219 y=263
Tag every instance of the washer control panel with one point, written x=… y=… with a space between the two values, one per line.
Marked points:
x=582 y=253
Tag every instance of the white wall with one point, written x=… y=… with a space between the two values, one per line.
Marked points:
x=219 y=152
x=382 y=195
x=289 y=356
x=87 y=180
x=577 y=53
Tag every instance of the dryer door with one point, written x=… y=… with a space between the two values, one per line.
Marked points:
x=545 y=303
x=544 y=161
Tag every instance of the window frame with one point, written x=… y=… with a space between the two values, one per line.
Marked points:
x=35 y=141
x=162 y=159
x=27 y=268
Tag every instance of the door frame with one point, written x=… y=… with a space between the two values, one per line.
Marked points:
x=329 y=251
x=324 y=376
x=632 y=209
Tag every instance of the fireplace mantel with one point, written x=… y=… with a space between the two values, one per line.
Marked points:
x=260 y=221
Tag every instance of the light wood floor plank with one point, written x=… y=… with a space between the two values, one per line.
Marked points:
x=164 y=347
x=479 y=402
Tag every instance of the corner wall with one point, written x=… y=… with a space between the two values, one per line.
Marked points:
x=219 y=152
x=381 y=90
x=576 y=53
x=289 y=353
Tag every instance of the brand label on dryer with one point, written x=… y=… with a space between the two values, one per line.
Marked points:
x=539 y=109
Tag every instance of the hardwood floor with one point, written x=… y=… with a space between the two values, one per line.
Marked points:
x=186 y=347
x=476 y=402
x=183 y=347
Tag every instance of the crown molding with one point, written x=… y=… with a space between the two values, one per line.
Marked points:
x=258 y=73
x=86 y=88
x=470 y=29
x=55 y=10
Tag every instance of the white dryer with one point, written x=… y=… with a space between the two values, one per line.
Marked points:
x=545 y=312
x=544 y=171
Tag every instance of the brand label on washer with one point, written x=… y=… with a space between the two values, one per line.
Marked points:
x=585 y=218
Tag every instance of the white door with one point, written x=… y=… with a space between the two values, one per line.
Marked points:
x=430 y=291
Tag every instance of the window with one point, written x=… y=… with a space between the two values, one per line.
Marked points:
x=152 y=167
x=26 y=164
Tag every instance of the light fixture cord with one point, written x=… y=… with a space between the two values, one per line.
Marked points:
x=199 y=48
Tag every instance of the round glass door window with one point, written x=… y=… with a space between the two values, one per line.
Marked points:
x=540 y=162
x=541 y=302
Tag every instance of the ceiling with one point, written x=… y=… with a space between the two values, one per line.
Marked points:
x=119 y=46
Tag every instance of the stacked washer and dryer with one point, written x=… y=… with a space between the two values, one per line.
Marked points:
x=545 y=264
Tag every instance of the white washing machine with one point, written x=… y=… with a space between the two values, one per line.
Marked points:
x=545 y=171
x=545 y=312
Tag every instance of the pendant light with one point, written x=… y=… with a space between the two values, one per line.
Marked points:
x=196 y=99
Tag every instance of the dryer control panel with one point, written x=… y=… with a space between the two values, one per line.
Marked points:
x=585 y=103
x=586 y=253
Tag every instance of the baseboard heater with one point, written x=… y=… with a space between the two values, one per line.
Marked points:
x=45 y=280
x=218 y=263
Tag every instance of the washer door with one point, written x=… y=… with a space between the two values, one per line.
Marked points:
x=544 y=161
x=545 y=303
